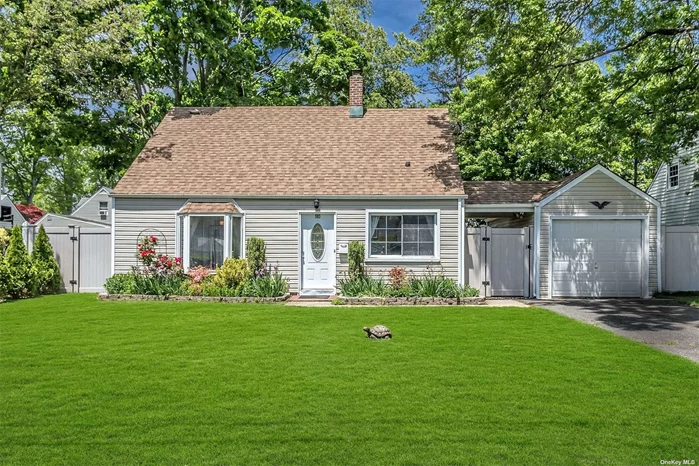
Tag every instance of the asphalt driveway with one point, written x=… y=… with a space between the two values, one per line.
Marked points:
x=660 y=323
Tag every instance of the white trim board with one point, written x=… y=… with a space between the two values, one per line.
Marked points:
x=496 y=208
x=71 y=217
x=645 y=231
x=609 y=173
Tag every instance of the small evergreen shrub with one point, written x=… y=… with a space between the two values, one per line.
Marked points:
x=21 y=281
x=355 y=256
x=4 y=279
x=46 y=271
x=4 y=240
x=256 y=254
x=121 y=283
x=233 y=275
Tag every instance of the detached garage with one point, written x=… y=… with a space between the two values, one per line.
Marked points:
x=593 y=234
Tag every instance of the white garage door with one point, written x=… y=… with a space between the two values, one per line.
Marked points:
x=597 y=258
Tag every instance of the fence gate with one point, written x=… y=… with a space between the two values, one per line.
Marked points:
x=83 y=255
x=681 y=258
x=497 y=260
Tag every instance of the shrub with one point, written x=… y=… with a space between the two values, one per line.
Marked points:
x=232 y=275
x=121 y=283
x=20 y=282
x=197 y=277
x=269 y=285
x=165 y=285
x=397 y=276
x=337 y=302
x=46 y=270
x=256 y=253
x=209 y=288
x=4 y=279
x=4 y=240
x=146 y=250
x=363 y=286
x=355 y=256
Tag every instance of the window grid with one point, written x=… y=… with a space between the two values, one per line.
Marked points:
x=674 y=176
x=403 y=235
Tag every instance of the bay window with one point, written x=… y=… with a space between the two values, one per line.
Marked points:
x=409 y=235
x=209 y=239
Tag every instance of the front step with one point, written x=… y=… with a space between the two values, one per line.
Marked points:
x=315 y=295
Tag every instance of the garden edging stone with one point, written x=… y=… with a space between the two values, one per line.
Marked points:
x=207 y=299
x=378 y=301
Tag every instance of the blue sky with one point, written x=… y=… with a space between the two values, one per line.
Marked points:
x=396 y=15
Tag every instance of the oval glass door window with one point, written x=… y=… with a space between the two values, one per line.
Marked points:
x=317 y=241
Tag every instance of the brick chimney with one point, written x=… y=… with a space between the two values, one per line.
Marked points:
x=356 y=94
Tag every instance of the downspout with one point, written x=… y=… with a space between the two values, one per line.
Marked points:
x=462 y=238
x=537 y=249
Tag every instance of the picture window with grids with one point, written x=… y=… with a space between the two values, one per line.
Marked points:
x=405 y=235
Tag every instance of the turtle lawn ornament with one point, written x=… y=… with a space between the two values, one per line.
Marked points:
x=378 y=332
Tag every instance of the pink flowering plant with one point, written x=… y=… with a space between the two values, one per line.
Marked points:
x=146 y=250
x=197 y=276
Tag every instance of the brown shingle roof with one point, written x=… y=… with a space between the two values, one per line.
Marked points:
x=513 y=192
x=297 y=151
x=209 y=208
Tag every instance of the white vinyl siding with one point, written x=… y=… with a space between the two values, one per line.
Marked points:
x=681 y=204
x=135 y=217
x=277 y=222
x=576 y=201
x=90 y=210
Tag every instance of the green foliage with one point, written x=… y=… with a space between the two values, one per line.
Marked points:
x=541 y=89
x=4 y=280
x=269 y=285
x=121 y=283
x=4 y=241
x=256 y=254
x=427 y=285
x=355 y=257
x=362 y=285
x=337 y=302
x=232 y=275
x=21 y=280
x=165 y=285
x=46 y=270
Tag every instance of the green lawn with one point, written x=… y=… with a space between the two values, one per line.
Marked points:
x=89 y=382
x=691 y=299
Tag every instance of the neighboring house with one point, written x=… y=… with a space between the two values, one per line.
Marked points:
x=91 y=212
x=96 y=207
x=10 y=216
x=308 y=180
x=676 y=186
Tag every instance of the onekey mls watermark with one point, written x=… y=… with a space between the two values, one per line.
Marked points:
x=678 y=462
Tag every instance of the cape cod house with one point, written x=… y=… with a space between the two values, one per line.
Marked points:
x=308 y=180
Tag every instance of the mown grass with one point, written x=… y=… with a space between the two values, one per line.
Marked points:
x=689 y=298
x=89 y=382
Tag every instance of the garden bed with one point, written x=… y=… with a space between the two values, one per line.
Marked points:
x=207 y=299
x=402 y=301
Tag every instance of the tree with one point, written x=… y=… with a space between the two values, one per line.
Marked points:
x=20 y=282
x=554 y=86
x=46 y=270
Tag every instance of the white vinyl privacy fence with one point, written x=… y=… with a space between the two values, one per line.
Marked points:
x=681 y=258
x=83 y=254
x=498 y=261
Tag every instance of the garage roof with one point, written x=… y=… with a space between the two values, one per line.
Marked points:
x=513 y=192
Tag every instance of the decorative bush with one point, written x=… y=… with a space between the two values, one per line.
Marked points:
x=269 y=285
x=121 y=283
x=397 y=276
x=428 y=285
x=164 y=265
x=355 y=256
x=232 y=276
x=4 y=240
x=146 y=250
x=197 y=276
x=256 y=253
x=20 y=281
x=4 y=279
x=166 y=285
x=46 y=270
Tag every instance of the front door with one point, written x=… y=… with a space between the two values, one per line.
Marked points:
x=317 y=251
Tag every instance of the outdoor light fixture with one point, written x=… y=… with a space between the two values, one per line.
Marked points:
x=316 y=203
